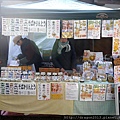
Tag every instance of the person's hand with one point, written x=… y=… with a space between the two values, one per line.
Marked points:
x=16 y=58
x=74 y=71
x=18 y=61
x=62 y=70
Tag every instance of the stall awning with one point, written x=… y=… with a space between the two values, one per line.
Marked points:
x=58 y=5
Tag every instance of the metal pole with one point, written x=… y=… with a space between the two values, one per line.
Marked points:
x=0 y=35
x=0 y=27
x=0 y=20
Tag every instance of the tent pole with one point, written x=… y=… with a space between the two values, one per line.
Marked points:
x=0 y=19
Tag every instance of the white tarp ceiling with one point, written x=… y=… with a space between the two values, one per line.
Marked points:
x=59 y=5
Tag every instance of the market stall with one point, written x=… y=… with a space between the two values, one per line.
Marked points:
x=88 y=92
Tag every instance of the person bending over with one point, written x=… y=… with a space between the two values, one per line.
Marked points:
x=30 y=52
x=63 y=55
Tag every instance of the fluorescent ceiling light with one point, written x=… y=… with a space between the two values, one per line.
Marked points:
x=60 y=5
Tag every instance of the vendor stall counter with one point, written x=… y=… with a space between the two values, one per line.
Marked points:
x=31 y=105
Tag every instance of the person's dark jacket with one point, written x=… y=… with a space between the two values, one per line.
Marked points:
x=30 y=53
x=66 y=60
